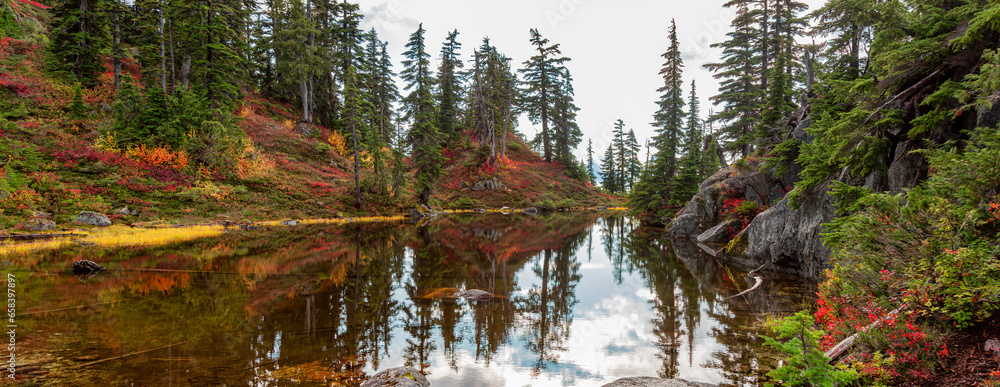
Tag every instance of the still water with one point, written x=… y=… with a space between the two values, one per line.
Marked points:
x=581 y=299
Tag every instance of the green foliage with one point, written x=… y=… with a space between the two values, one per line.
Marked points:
x=940 y=240
x=547 y=92
x=76 y=108
x=423 y=136
x=806 y=364
x=465 y=203
x=79 y=34
x=8 y=22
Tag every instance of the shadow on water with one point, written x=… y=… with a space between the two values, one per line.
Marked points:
x=577 y=299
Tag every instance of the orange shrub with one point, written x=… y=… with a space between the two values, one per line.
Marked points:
x=338 y=143
x=158 y=156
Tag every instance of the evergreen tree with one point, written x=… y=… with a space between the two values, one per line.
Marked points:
x=494 y=93
x=634 y=168
x=621 y=152
x=423 y=137
x=590 y=161
x=449 y=87
x=738 y=77
x=543 y=87
x=669 y=119
x=690 y=174
x=78 y=36
x=566 y=132
x=356 y=109
x=609 y=172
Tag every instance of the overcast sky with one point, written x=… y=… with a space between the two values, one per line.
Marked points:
x=615 y=47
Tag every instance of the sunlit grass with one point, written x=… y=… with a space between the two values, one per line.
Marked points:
x=113 y=237
x=118 y=236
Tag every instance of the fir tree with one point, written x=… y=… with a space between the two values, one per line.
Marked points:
x=542 y=87
x=449 y=87
x=590 y=161
x=609 y=172
x=738 y=78
x=78 y=36
x=669 y=119
x=423 y=137
x=690 y=174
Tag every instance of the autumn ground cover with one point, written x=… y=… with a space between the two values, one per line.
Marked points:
x=59 y=161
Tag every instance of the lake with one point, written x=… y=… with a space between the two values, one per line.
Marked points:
x=580 y=299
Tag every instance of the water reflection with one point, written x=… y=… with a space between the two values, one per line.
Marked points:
x=332 y=304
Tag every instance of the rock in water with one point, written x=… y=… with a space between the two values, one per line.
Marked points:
x=397 y=377
x=39 y=224
x=92 y=218
x=86 y=267
x=475 y=295
x=655 y=382
x=291 y=222
x=717 y=234
x=530 y=210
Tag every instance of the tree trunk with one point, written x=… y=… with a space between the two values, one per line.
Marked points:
x=117 y=49
x=185 y=71
x=163 y=53
x=173 y=62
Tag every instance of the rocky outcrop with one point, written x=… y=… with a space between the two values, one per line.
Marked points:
x=704 y=211
x=38 y=224
x=92 y=218
x=646 y=381
x=907 y=169
x=785 y=238
x=397 y=377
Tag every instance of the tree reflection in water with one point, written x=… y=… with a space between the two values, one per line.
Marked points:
x=331 y=304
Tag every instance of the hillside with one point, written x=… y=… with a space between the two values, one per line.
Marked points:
x=64 y=153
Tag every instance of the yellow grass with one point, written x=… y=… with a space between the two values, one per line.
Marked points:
x=124 y=236
x=113 y=237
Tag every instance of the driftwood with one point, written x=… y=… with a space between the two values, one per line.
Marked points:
x=841 y=347
x=759 y=281
x=84 y=365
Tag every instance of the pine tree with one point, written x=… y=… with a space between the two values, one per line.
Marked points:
x=542 y=87
x=634 y=168
x=669 y=119
x=78 y=36
x=609 y=172
x=449 y=87
x=423 y=137
x=621 y=154
x=657 y=187
x=492 y=99
x=739 y=90
x=690 y=174
x=590 y=161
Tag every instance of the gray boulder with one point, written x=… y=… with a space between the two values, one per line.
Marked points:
x=646 y=381
x=291 y=222
x=39 y=224
x=717 y=234
x=123 y=211
x=92 y=218
x=530 y=211
x=397 y=377
x=685 y=226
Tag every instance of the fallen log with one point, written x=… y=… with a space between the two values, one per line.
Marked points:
x=841 y=347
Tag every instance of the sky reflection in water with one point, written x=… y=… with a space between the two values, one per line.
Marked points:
x=581 y=300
